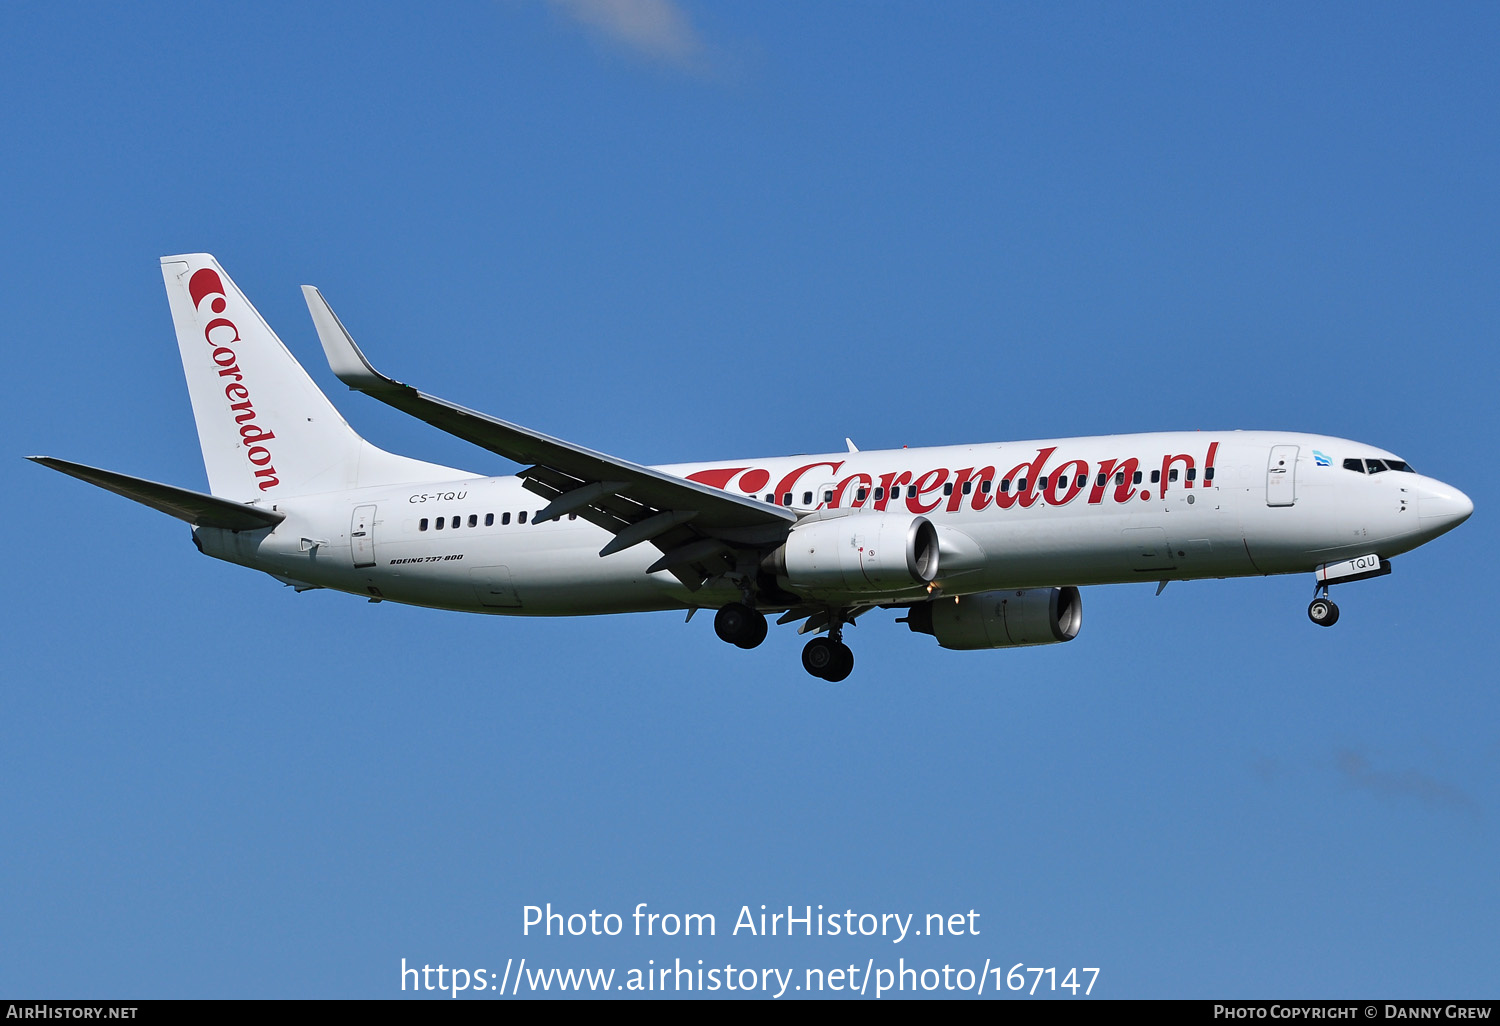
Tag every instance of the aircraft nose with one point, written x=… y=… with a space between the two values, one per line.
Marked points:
x=1443 y=507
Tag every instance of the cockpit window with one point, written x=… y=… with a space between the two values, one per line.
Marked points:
x=1369 y=466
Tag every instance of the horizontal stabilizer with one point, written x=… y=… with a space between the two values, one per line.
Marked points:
x=196 y=508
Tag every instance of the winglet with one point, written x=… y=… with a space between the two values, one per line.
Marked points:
x=344 y=357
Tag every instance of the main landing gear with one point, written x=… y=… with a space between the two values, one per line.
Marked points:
x=740 y=625
x=828 y=658
x=1322 y=610
x=825 y=657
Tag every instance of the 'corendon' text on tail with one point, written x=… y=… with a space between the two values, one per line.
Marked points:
x=221 y=333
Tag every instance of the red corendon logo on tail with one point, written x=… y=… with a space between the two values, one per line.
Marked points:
x=221 y=333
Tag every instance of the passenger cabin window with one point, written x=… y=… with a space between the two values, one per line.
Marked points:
x=1120 y=477
x=859 y=494
x=473 y=519
x=1192 y=474
x=1021 y=485
x=456 y=522
x=771 y=498
x=879 y=494
x=1041 y=482
x=489 y=520
x=521 y=517
x=984 y=486
x=440 y=522
x=968 y=487
x=1005 y=484
x=828 y=495
x=1137 y=477
x=786 y=499
x=1156 y=477
x=504 y=519
x=807 y=498
x=1101 y=481
x=1208 y=474
x=422 y=524
x=1172 y=474
x=948 y=488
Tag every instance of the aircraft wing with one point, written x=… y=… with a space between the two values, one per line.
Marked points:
x=196 y=508
x=695 y=526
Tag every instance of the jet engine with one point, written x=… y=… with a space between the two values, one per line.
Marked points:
x=1001 y=619
x=859 y=553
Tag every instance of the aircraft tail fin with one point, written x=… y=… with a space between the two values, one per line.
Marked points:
x=265 y=428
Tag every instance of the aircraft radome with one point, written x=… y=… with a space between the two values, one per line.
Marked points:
x=982 y=546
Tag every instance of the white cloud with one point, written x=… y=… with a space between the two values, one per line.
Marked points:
x=659 y=29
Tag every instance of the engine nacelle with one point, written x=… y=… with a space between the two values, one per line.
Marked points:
x=1001 y=619
x=862 y=552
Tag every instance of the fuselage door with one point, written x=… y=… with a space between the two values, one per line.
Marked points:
x=1281 y=476
x=362 y=536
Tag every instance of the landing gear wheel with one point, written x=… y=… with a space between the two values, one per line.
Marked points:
x=757 y=634
x=817 y=656
x=843 y=666
x=1323 y=612
x=831 y=660
x=740 y=625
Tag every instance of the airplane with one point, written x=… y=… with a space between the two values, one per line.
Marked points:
x=981 y=546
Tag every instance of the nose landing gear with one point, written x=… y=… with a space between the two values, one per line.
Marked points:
x=1322 y=610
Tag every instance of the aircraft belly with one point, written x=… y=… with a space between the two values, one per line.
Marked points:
x=1204 y=534
x=1055 y=546
x=1038 y=548
x=554 y=570
x=1293 y=539
x=551 y=575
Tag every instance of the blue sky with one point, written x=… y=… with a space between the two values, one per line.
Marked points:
x=679 y=231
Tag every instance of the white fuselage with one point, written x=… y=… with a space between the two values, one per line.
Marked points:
x=1171 y=506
